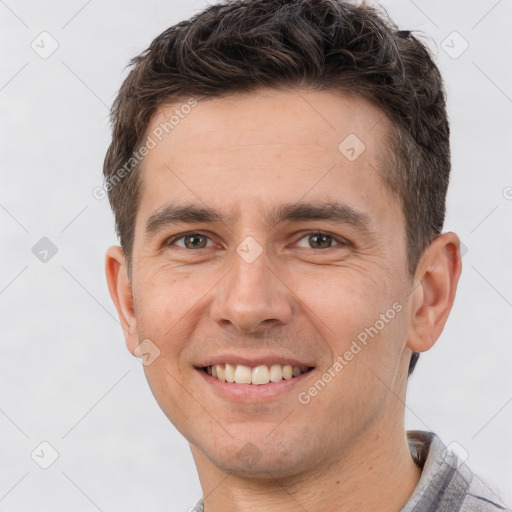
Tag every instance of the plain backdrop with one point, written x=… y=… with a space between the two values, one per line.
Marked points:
x=66 y=377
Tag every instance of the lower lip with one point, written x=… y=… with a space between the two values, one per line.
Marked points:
x=254 y=392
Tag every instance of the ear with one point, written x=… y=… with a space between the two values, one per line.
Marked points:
x=435 y=284
x=120 y=290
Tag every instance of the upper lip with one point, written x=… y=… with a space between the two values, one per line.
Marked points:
x=267 y=359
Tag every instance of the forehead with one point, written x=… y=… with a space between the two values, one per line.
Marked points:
x=267 y=116
x=268 y=146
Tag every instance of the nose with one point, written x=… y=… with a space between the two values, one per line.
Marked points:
x=251 y=297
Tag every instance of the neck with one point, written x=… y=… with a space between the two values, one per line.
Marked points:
x=377 y=474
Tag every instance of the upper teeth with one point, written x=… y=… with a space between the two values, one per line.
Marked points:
x=263 y=374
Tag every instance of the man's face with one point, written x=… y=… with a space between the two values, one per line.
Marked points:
x=275 y=279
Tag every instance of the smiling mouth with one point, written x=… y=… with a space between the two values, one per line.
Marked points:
x=257 y=375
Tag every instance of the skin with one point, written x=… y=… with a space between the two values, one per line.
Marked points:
x=244 y=155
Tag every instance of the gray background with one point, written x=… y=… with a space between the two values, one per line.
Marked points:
x=66 y=377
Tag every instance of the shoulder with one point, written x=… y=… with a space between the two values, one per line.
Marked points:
x=447 y=484
x=480 y=497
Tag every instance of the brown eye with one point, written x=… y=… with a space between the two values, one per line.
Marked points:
x=192 y=241
x=320 y=241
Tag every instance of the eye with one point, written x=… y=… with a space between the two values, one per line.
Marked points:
x=191 y=241
x=319 y=240
x=314 y=240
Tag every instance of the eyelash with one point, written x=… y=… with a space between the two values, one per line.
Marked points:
x=341 y=243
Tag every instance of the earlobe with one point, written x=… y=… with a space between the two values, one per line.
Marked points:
x=435 y=285
x=120 y=289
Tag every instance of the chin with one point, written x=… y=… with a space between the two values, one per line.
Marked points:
x=254 y=453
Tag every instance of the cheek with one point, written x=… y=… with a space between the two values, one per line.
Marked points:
x=165 y=306
x=165 y=382
x=345 y=301
x=363 y=322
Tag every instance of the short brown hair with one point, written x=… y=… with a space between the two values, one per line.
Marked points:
x=331 y=45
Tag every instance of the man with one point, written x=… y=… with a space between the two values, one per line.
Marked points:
x=278 y=174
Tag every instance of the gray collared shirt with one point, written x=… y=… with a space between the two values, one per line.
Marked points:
x=446 y=483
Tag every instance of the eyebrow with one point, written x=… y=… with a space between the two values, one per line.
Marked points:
x=180 y=214
x=298 y=212
x=330 y=211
